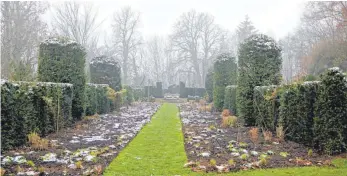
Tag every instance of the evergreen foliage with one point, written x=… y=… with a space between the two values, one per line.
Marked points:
x=225 y=73
x=230 y=99
x=259 y=64
x=62 y=60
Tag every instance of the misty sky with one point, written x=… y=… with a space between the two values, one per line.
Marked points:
x=275 y=18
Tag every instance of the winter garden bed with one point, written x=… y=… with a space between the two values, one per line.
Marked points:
x=84 y=150
x=210 y=147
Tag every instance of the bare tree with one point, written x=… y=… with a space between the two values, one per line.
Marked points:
x=211 y=38
x=126 y=37
x=78 y=21
x=21 y=32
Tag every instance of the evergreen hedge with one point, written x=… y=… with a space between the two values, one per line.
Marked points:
x=62 y=60
x=266 y=104
x=330 y=128
x=209 y=85
x=230 y=99
x=297 y=111
x=138 y=94
x=259 y=64
x=225 y=73
x=97 y=99
x=26 y=107
x=106 y=70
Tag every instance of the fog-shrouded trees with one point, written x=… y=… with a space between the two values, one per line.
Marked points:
x=259 y=64
x=195 y=33
x=127 y=39
x=78 y=21
x=21 y=31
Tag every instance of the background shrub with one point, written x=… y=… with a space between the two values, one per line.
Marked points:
x=62 y=60
x=266 y=104
x=209 y=85
x=230 y=99
x=259 y=64
x=106 y=70
x=99 y=99
x=225 y=73
x=330 y=126
x=33 y=107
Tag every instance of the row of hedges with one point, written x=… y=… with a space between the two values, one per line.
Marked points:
x=311 y=113
x=191 y=91
x=155 y=91
x=225 y=73
x=26 y=107
x=230 y=98
x=97 y=99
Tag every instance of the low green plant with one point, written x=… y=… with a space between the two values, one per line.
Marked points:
x=309 y=152
x=243 y=145
x=30 y=163
x=213 y=162
x=244 y=156
x=284 y=154
x=263 y=162
x=78 y=165
x=231 y=162
x=212 y=127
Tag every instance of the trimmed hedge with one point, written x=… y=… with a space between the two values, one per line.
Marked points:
x=297 y=111
x=209 y=85
x=26 y=107
x=97 y=99
x=330 y=127
x=266 y=104
x=230 y=98
x=138 y=94
x=186 y=92
x=259 y=64
x=225 y=73
x=155 y=91
x=315 y=113
x=62 y=60
x=106 y=70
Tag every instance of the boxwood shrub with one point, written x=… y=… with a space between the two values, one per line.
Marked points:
x=225 y=73
x=230 y=98
x=26 y=107
x=209 y=85
x=62 y=60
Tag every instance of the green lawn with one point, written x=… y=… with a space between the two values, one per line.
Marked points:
x=159 y=150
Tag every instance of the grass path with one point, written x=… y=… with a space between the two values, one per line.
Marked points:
x=159 y=150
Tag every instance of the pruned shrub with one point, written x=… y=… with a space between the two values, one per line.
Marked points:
x=63 y=60
x=259 y=64
x=40 y=107
x=225 y=73
x=297 y=111
x=209 y=85
x=230 y=98
x=99 y=99
x=266 y=104
x=330 y=128
x=106 y=70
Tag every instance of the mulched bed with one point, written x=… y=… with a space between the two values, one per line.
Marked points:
x=95 y=142
x=205 y=139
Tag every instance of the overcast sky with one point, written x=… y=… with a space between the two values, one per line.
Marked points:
x=273 y=17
